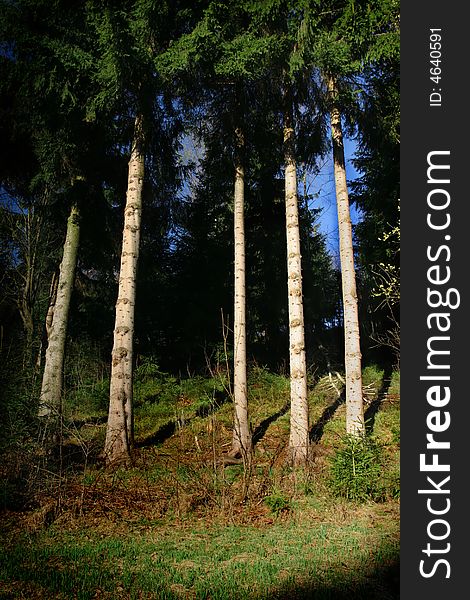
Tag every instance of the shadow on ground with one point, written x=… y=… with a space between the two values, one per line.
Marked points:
x=316 y=431
x=61 y=573
x=260 y=431
x=383 y=583
x=374 y=407
x=168 y=429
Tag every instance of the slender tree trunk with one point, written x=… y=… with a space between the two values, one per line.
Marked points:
x=120 y=429
x=299 y=426
x=26 y=301
x=51 y=390
x=26 y=314
x=48 y=320
x=241 y=442
x=354 y=403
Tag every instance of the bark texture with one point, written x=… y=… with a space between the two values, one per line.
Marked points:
x=299 y=426
x=241 y=442
x=120 y=427
x=52 y=380
x=354 y=403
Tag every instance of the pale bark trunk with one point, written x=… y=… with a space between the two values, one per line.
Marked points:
x=354 y=403
x=241 y=442
x=120 y=428
x=48 y=320
x=52 y=302
x=299 y=426
x=51 y=389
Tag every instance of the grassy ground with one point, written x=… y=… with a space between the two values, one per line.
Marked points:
x=178 y=524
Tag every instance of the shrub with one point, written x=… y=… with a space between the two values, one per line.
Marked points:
x=277 y=503
x=356 y=470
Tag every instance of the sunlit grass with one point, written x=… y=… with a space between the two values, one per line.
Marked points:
x=177 y=524
x=280 y=561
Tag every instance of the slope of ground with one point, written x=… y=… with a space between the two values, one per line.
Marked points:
x=180 y=524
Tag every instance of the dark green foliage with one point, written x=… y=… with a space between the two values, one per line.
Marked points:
x=151 y=385
x=73 y=79
x=206 y=67
x=86 y=379
x=73 y=76
x=18 y=392
x=278 y=503
x=357 y=471
x=377 y=194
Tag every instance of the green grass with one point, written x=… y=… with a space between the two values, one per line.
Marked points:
x=318 y=560
x=179 y=525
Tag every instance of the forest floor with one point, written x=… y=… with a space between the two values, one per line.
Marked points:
x=178 y=523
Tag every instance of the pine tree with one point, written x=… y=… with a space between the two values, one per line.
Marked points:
x=234 y=65
x=51 y=388
x=52 y=91
x=336 y=44
x=354 y=403
x=299 y=424
x=131 y=85
x=120 y=429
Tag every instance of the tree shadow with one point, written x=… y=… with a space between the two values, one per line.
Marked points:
x=374 y=406
x=316 y=432
x=260 y=431
x=163 y=433
x=168 y=429
x=207 y=408
x=79 y=423
x=379 y=583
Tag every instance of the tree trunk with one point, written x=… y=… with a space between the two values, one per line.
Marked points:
x=30 y=243
x=52 y=380
x=241 y=442
x=26 y=314
x=48 y=320
x=120 y=428
x=299 y=427
x=354 y=404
